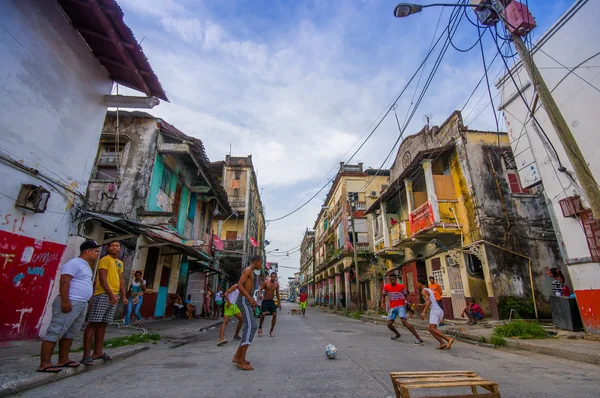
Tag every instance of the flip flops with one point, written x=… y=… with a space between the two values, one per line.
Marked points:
x=220 y=343
x=87 y=361
x=70 y=364
x=50 y=369
x=104 y=356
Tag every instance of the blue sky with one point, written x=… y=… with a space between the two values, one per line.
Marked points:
x=296 y=83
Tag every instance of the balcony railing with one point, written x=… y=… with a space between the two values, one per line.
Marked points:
x=399 y=232
x=233 y=245
x=421 y=218
x=362 y=247
x=237 y=201
x=361 y=206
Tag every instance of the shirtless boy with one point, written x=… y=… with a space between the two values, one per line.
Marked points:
x=271 y=288
x=246 y=304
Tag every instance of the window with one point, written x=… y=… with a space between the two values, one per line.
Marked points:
x=378 y=226
x=512 y=176
x=109 y=159
x=439 y=279
x=192 y=209
x=353 y=197
x=474 y=266
x=165 y=182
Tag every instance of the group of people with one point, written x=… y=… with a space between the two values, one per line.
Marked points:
x=70 y=308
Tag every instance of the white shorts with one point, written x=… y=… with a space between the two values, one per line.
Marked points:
x=435 y=317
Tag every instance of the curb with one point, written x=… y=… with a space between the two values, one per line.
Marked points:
x=590 y=358
x=40 y=379
x=191 y=339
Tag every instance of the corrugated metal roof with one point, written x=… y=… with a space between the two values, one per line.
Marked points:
x=100 y=23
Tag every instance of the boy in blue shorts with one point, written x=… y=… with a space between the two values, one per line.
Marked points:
x=397 y=296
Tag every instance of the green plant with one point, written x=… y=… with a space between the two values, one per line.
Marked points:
x=523 y=307
x=355 y=315
x=497 y=341
x=482 y=339
x=521 y=329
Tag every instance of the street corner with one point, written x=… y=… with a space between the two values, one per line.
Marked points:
x=18 y=374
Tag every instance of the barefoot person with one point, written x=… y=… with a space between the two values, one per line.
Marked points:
x=268 y=307
x=109 y=285
x=69 y=308
x=396 y=294
x=231 y=309
x=435 y=316
x=246 y=304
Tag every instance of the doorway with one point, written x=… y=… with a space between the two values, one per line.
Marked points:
x=457 y=291
x=163 y=292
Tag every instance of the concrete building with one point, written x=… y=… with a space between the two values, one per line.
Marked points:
x=307 y=265
x=153 y=189
x=352 y=192
x=454 y=210
x=567 y=66
x=243 y=232
x=59 y=61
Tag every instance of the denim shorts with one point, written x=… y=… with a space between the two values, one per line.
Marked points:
x=66 y=325
x=395 y=312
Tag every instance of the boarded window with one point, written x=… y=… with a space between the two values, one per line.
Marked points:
x=436 y=264
x=515 y=183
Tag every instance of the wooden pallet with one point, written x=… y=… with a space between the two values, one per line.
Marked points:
x=404 y=381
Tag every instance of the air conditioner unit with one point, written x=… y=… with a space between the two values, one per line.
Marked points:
x=451 y=262
x=373 y=194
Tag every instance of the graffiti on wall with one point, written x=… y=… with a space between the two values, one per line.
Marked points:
x=29 y=268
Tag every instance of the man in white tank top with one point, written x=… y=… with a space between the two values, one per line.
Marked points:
x=436 y=314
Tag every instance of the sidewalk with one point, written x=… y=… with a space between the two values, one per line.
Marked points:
x=20 y=359
x=566 y=346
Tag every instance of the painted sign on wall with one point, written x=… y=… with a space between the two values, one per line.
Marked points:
x=29 y=268
x=421 y=219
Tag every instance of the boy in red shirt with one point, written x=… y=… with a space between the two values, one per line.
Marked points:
x=474 y=312
x=397 y=296
x=303 y=303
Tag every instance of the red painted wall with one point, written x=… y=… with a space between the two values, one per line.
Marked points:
x=589 y=307
x=29 y=268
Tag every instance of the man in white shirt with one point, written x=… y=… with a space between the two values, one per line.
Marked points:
x=69 y=308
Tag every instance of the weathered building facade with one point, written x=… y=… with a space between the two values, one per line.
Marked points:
x=243 y=232
x=57 y=83
x=540 y=156
x=456 y=211
x=307 y=265
x=152 y=188
x=342 y=216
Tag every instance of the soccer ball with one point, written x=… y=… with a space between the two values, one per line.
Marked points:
x=331 y=351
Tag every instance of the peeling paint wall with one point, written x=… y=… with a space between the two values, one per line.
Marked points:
x=52 y=113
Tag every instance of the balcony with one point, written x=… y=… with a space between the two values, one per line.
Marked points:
x=399 y=232
x=237 y=201
x=362 y=247
x=362 y=206
x=233 y=245
x=421 y=218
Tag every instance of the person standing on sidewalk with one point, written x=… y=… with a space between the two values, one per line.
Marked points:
x=136 y=296
x=303 y=303
x=231 y=309
x=246 y=304
x=435 y=316
x=109 y=285
x=69 y=308
x=397 y=297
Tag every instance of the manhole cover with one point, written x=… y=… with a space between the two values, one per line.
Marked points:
x=343 y=331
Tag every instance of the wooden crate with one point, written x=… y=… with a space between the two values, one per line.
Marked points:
x=404 y=381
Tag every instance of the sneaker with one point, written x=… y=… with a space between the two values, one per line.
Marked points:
x=419 y=342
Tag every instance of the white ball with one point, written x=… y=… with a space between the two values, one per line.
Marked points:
x=331 y=351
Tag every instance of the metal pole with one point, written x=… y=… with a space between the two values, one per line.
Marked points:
x=582 y=170
x=355 y=257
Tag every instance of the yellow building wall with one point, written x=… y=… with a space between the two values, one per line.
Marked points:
x=230 y=225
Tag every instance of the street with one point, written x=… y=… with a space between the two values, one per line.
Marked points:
x=293 y=364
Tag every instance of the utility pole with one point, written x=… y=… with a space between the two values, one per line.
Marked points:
x=582 y=170
x=352 y=208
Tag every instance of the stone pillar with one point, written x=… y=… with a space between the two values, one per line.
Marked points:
x=347 y=286
x=331 y=296
x=431 y=196
x=386 y=231
x=338 y=278
x=409 y=195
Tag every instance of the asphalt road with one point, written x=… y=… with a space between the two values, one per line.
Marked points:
x=293 y=364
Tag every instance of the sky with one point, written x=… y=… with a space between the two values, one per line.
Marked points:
x=296 y=84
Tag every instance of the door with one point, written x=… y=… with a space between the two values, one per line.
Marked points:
x=163 y=292
x=457 y=292
x=195 y=288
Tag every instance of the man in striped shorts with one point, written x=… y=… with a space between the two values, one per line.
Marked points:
x=247 y=304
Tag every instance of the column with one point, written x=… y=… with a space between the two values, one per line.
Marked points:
x=386 y=231
x=409 y=195
x=347 y=286
x=331 y=297
x=431 y=196
x=337 y=291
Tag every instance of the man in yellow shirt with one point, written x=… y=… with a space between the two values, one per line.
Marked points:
x=109 y=284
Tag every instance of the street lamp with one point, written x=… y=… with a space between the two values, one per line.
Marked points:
x=405 y=9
